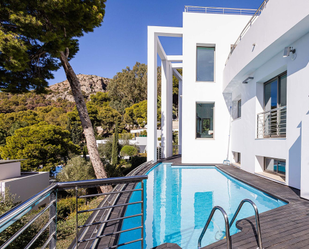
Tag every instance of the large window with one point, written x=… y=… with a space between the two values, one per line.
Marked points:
x=272 y=122
x=205 y=60
x=205 y=120
x=275 y=93
x=276 y=166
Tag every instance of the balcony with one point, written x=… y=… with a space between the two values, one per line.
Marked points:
x=215 y=10
x=272 y=123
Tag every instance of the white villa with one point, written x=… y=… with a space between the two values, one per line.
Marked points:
x=244 y=90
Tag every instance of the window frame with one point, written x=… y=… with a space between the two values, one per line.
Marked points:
x=278 y=78
x=205 y=46
x=274 y=172
x=213 y=122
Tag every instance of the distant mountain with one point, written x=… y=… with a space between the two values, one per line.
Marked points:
x=90 y=84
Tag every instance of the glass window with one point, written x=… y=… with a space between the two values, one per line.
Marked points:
x=204 y=120
x=270 y=95
x=282 y=90
x=205 y=59
x=239 y=108
x=275 y=93
x=276 y=166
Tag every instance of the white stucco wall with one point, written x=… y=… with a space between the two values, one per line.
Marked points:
x=244 y=130
x=281 y=23
x=220 y=31
x=25 y=187
x=9 y=170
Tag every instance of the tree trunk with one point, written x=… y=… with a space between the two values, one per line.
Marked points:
x=85 y=120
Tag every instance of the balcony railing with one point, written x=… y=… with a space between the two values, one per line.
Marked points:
x=216 y=10
x=248 y=26
x=107 y=206
x=272 y=123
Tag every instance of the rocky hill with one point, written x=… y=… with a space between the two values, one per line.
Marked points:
x=90 y=84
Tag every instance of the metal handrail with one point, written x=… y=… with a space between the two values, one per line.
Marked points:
x=227 y=227
x=247 y=27
x=257 y=219
x=219 y=10
x=272 y=123
x=273 y=110
x=101 y=228
x=16 y=213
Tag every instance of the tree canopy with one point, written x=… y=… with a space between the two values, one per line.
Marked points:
x=128 y=87
x=32 y=35
x=44 y=145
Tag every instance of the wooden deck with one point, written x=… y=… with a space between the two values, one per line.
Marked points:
x=286 y=227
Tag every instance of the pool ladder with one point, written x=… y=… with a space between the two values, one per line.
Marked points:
x=229 y=225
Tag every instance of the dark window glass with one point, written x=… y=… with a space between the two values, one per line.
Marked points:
x=238 y=108
x=282 y=90
x=270 y=95
x=205 y=59
x=204 y=120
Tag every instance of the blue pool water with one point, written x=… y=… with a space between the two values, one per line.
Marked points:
x=178 y=201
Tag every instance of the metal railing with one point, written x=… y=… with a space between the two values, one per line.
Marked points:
x=227 y=228
x=18 y=212
x=218 y=10
x=257 y=219
x=248 y=26
x=229 y=225
x=272 y=123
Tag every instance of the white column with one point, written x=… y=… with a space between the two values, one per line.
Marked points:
x=166 y=108
x=304 y=183
x=152 y=96
x=180 y=116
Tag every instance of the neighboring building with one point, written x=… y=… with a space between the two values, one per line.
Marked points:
x=246 y=101
x=22 y=185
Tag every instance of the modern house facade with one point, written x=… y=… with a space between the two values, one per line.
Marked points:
x=245 y=101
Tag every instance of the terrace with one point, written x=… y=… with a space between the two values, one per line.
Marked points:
x=103 y=228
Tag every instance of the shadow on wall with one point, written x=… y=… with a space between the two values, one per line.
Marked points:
x=295 y=161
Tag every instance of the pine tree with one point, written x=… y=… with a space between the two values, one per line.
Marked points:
x=36 y=39
x=115 y=151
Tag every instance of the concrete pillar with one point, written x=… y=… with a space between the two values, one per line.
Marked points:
x=180 y=116
x=304 y=175
x=152 y=96
x=166 y=108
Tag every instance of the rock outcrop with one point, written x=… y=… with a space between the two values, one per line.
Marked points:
x=90 y=84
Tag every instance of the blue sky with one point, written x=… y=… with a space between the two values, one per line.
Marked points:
x=121 y=41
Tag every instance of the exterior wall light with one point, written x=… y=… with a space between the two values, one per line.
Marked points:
x=288 y=50
x=247 y=80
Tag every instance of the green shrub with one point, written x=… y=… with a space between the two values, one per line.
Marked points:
x=6 y=204
x=128 y=150
x=77 y=169
x=67 y=206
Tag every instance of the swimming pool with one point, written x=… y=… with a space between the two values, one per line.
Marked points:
x=179 y=200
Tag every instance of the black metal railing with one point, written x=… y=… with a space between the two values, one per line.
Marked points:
x=51 y=192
